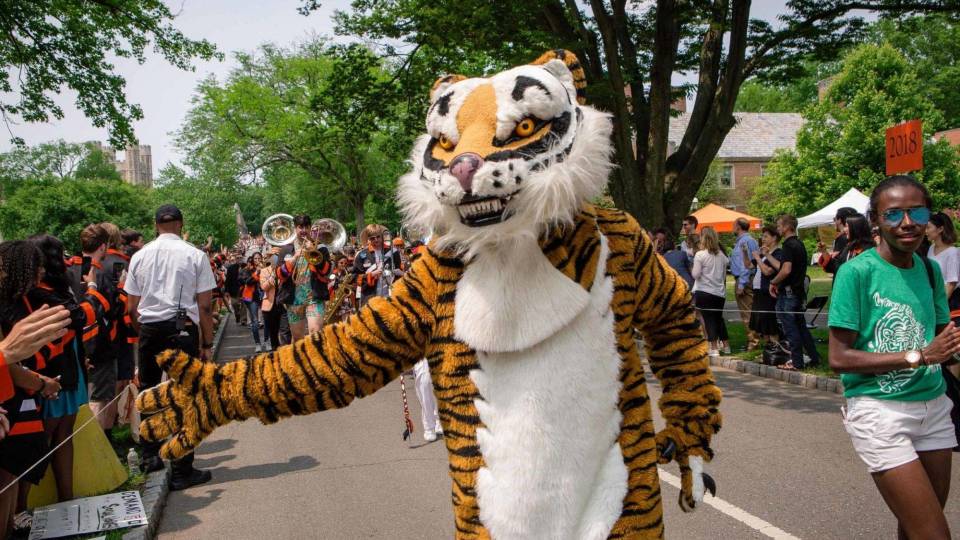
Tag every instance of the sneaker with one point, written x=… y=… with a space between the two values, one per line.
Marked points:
x=727 y=351
x=195 y=478
x=257 y=348
x=429 y=435
x=439 y=429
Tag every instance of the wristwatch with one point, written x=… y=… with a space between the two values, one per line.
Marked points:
x=913 y=358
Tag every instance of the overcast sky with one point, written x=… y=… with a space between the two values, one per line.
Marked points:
x=164 y=92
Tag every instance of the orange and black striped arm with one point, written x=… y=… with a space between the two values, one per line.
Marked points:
x=325 y=370
x=677 y=353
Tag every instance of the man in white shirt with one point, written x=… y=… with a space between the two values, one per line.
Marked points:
x=169 y=299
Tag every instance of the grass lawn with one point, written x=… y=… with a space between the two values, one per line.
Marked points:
x=820 y=284
x=738 y=339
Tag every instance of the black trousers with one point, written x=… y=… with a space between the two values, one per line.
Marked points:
x=711 y=307
x=271 y=322
x=154 y=339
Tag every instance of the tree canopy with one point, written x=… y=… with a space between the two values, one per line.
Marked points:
x=48 y=45
x=630 y=52
x=842 y=143
x=326 y=119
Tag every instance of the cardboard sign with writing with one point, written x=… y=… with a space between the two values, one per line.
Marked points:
x=88 y=515
x=904 y=147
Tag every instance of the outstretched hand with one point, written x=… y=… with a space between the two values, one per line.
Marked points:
x=186 y=408
x=34 y=331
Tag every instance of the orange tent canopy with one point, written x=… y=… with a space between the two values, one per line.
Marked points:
x=721 y=219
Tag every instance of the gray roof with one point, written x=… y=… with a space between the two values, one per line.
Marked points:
x=756 y=135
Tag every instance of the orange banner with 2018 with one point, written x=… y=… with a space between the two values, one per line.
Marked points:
x=904 y=147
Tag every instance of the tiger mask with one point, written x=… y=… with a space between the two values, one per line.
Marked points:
x=507 y=156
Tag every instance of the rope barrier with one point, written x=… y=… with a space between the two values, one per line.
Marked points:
x=63 y=442
x=730 y=310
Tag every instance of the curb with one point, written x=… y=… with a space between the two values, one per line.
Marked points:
x=157 y=486
x=806 y=380
x=154 y=498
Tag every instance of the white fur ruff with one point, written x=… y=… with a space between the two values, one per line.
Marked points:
x=554 y=468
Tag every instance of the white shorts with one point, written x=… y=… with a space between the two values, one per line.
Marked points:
x=889 y=433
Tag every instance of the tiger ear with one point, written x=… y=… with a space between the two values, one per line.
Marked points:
x=564 y=65
x=442 y=84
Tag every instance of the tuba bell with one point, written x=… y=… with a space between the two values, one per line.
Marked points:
x=278 y=230
x=324 y=233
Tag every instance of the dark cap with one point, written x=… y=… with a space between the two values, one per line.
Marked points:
x=168 y=213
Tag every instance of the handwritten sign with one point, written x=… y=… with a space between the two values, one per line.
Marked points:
x=88 y=515
x=904 y=147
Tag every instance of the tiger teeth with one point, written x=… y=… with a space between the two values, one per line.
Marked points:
x=480 y=208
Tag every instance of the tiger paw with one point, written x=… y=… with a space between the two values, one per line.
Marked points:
x=184 y=409
x=694 y=483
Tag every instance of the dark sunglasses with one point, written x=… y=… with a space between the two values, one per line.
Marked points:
x=919 y=215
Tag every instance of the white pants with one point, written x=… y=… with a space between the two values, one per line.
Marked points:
x=428 y=403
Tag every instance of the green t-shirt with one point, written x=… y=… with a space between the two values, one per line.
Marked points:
x=892 y=310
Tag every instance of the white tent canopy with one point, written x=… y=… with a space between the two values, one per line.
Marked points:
x=824 y=216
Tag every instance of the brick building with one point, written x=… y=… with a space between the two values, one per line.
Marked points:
x=135 y=168
x=745 y=152
x=951 y=135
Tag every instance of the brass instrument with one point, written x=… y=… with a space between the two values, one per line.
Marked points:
x=344 y=289
x=325 y=232
x=278 y=230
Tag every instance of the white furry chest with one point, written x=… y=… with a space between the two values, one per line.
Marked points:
x=554 y=468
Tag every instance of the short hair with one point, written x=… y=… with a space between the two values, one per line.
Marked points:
x=114 y=239
x=949 y=234
x=772 y=231
x=789 y=221
x=692 y=219
x=667 y=238
x=899 y=180
x=844 y=213
x=742 y=224
x=709 y=240
x=372 y=229
x=130 y=236
x=92 y=237
x=301 y=220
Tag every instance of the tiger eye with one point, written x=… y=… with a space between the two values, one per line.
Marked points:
x=445 y=143
x=525 y=128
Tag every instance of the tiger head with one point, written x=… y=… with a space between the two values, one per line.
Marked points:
x=507 y=156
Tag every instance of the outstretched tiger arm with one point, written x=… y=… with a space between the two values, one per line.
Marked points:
x=325 y=370
x=677 y=354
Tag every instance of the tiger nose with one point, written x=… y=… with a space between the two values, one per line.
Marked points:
x=464 y=167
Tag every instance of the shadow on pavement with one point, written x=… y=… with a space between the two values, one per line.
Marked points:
x=263 y=470
x=183 y=519
x=776 y=394
x=213 y=461
x=213 y=447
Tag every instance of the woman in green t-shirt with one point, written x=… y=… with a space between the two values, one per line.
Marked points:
x=889 y=334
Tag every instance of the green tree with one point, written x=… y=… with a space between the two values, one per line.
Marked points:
x=842 y=143
x=63 y=207
x=207 y=206
x=324 y=117
x=48 y=45
x=96 y=165
x=629 y=52
x=931 y=44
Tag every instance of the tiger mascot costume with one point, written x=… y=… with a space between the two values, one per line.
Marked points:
x=525 y=306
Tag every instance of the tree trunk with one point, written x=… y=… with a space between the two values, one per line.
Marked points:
x=358 y=215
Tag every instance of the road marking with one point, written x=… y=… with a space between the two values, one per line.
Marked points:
x=737 y=513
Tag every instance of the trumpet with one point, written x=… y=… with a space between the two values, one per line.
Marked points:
x=278 y=230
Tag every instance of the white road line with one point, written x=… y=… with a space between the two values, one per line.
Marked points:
x=737 y=513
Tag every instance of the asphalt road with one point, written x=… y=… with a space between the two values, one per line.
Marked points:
x=784 y=465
